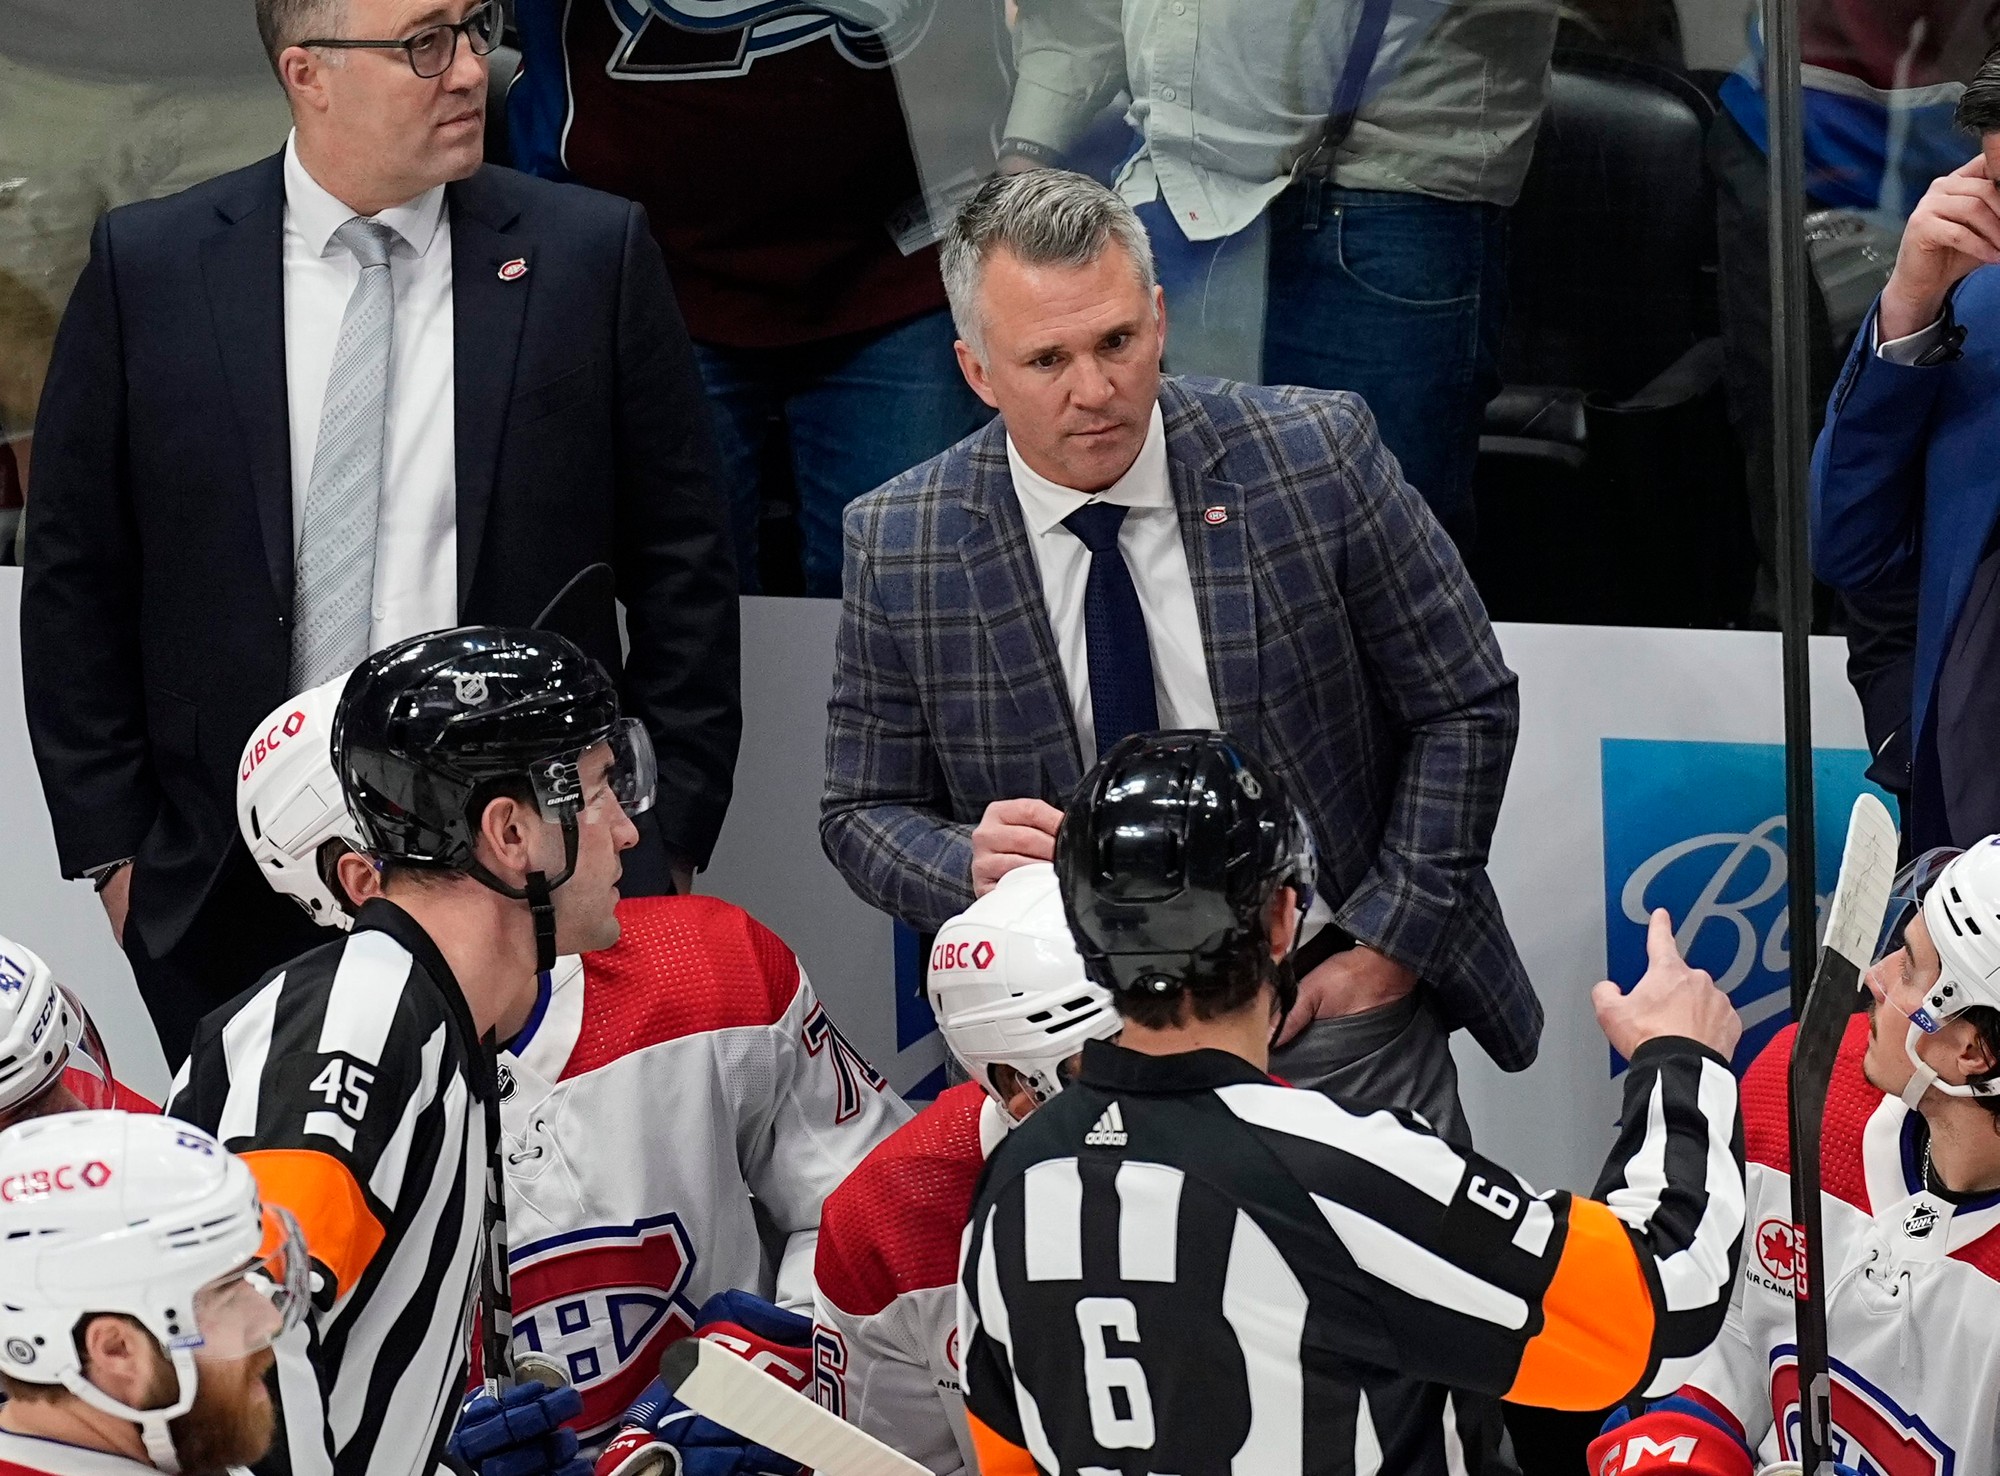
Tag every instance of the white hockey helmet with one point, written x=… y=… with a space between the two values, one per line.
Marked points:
x=1960 y=901
x=1008 y=987
x=289 y=801
x=143 y=1217
x=45 y=1036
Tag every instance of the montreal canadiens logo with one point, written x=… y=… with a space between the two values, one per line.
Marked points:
x=514 y=270
x=604 y=1303
x=1872 y=1434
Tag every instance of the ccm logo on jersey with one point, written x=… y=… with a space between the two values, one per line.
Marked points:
x=271 y=739
x=604 y=1302
x=1780 y=1256
x=1871 y=1432
x=964 y=954
x=65 y=1179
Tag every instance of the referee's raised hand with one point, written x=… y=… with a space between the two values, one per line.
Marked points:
x=1670 y=999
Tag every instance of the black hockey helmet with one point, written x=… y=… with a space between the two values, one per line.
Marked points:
x=1169 y=855
x=429 y=728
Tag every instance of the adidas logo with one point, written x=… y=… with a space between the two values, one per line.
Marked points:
x=1109 y=1131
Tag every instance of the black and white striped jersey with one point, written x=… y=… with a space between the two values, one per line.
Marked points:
x=1181 y=1266
x=353 y=1084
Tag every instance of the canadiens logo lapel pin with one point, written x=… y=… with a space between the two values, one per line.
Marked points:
x=1215 y=517
x=513 y=271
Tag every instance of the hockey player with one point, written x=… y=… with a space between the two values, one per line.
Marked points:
x=1015 y=1007
x=654 y=1092
x=1181 y=1265
x=51 y=1057
x=492 y=774
x=142 y=1284
x=1909 y=1205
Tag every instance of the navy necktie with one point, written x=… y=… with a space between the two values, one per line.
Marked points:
x=1114 y=631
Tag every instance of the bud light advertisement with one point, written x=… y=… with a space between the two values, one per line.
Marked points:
x=1699 y=829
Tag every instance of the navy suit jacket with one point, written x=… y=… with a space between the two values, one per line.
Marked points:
x=157 y=606
x=1345 y=645
x=1907 y=472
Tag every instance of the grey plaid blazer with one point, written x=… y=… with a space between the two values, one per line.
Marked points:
x=1345 y=644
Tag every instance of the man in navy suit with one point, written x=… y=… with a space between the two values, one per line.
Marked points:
x=1119 y=552
x=1906 y=478
x=363 y=389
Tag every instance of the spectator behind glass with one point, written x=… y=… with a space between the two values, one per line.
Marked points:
x=1376 y=264
x=1881 y=78
x=103 y=102
x=773 y=158
x=1903 y=484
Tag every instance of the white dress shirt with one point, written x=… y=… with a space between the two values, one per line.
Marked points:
x=416 y=539
x=1150 y=539
x=1911 y=346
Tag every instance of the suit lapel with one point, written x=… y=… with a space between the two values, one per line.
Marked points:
x=487 y=311
x=1215 y=531
x=243 y=272
x=1007 y=592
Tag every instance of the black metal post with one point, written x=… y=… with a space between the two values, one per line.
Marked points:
x=1791 y=456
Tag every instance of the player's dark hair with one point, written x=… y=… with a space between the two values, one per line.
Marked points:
x=1979 y=105
x=1234 y=989
x=1986 y=1021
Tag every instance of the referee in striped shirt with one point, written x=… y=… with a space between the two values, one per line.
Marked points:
x=495 y=781
x=1181 y=1265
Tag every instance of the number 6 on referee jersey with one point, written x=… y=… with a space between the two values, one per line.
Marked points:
x=1180 y=1264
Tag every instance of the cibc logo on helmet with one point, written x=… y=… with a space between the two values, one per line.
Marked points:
x=65 y=1178
x=270 y=740
x=963 y=953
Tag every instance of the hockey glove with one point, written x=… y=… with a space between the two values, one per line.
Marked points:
x=1675 y=1436
x=520 y=1433
x=660 y=1434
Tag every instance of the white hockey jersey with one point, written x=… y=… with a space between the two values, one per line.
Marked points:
x=657 y=1087
x=29 y=1455
x=1913 y=1303
x=885 y=1314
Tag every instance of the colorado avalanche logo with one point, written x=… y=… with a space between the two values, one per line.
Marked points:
x=677 y=40
x=1871 y=1432
x=605 y=1302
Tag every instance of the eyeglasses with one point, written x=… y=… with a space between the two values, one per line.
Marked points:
x=433 y=49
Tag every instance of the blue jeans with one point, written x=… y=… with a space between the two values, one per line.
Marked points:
x=1399 y=297
x=859 y=410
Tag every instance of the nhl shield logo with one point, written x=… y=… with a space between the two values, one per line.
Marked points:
x=1921 y=1220
x=470 y=689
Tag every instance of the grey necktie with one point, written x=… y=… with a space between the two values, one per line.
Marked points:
x=335 y=586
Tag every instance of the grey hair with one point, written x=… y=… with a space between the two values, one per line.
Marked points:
x=283 y=23
x=1046 y=217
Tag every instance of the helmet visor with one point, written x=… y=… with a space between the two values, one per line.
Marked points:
x=251 y=1308
x=618 y=767
x=1907 y=893
x=86 y=1074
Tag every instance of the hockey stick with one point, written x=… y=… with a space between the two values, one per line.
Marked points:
x=1867 y=871
x=740 y=1396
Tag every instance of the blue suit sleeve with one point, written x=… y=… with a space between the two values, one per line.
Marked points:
x=1868 y=467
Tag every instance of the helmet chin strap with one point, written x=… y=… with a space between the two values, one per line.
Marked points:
x=538 y=892
x=152 y=1423
x=1924 y=1079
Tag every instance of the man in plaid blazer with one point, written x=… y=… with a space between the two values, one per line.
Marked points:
x=1339 y=633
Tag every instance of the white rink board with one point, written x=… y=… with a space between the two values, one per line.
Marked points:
x=1579 y=685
